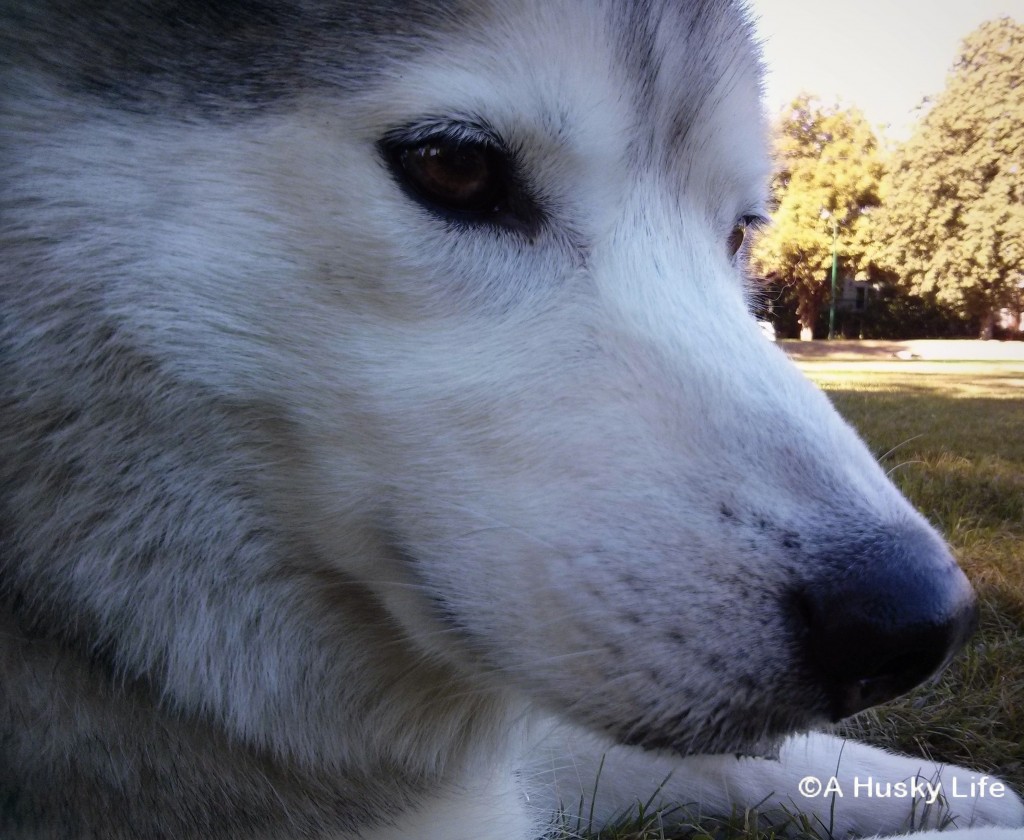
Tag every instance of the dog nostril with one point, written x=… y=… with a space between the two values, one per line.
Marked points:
x=889 y=621
x=867 y=656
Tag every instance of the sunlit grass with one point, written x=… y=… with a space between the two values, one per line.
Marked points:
x=952 y=435
x=947 y=380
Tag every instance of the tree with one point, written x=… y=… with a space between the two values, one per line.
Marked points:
x=826 y=183
x=953 y=224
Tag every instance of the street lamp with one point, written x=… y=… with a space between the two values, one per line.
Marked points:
x=826 y=214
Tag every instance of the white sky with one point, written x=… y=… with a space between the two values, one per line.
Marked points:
x=884 y=56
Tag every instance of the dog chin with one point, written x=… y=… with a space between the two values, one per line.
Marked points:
x=680 y=746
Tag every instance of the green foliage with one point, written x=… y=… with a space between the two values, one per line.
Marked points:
x=892 y=313
x=945 y=225
x=953 y=223
x=828 y=170
x=895 y=314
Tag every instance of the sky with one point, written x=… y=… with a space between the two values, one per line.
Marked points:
x=884 y=56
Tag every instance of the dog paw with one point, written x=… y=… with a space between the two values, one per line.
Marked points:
x=872 y=792
x=976 y=799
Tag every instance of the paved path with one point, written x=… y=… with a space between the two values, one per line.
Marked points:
x=925 y=349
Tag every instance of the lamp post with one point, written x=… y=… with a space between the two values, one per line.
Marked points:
x=827 y=214
x=835 y=272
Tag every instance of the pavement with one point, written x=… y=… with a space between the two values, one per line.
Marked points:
x=971 y=350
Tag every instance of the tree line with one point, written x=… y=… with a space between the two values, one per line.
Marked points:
x=934 y=228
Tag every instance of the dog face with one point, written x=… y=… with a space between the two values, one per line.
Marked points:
x=588 y=474
x=479 y=313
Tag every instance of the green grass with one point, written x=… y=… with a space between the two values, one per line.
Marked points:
x=952 y=436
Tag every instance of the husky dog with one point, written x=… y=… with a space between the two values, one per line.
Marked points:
x=387 y=451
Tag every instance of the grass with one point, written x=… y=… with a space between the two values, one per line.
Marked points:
x=951 y=434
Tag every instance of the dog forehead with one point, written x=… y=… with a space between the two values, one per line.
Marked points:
x=660 y=84
x=183 y=52
x=673 y=77
x=677 y=62
x=220 y=60
x=696 y=73
x=683 y=48
x=674 y=59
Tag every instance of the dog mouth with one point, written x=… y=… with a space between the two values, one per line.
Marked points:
x=861 y=642
x=746 y=736
x=882 y=611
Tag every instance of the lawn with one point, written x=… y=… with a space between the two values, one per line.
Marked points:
x=951 y=434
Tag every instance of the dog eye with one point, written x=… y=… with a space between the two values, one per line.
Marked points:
x=740 y=233
x=456 y=176
x=736 y=237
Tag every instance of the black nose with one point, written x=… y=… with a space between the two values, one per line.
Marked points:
x=893 y=610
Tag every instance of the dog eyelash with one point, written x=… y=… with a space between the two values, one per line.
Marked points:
x=468 y=130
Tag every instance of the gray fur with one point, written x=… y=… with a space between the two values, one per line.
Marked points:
x=132 y=509
x=217 y=60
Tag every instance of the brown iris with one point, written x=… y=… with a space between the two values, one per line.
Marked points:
x=456 y=176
